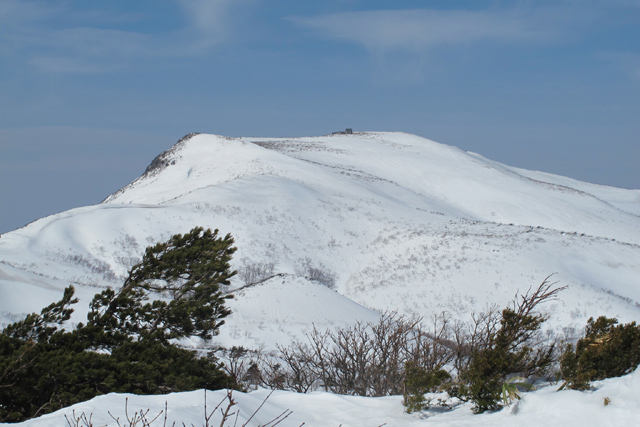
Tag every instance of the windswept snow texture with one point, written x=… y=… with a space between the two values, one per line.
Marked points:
x=400 y=222
x=548 y=407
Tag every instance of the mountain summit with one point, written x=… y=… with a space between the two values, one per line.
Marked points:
x=390 y=221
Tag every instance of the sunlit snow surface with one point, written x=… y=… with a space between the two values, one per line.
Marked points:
x=544 y=407
x=403 y=223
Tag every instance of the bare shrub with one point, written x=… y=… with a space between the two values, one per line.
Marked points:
x=256 y=272
x=470 y=337
x=240 y=363
x=318 y=273
x=94 y=265
x=410 y=356
x=365 y=359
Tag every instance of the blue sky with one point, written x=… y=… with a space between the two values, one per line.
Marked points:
x=91 y=90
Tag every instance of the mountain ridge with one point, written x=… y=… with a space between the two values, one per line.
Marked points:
x=401 y=222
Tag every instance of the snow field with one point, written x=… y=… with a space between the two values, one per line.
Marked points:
x=546 y=406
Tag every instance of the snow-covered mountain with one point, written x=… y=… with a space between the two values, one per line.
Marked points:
x=395 y=221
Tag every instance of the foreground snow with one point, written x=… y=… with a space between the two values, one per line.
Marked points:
x=545 y=406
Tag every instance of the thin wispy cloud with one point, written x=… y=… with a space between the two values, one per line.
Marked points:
x=209 y=19
x=85 y=49
x=50 y=39
x=404 y=45
x=420 y=30
x=15 y=13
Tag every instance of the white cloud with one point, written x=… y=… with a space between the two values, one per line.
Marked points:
x=83 y=49
x=36 y=32
x=424 y=29
x=209 y=19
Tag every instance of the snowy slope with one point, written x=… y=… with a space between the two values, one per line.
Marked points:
x=402 y=222
x=296 y=303
x=546 y=406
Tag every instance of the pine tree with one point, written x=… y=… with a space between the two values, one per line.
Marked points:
x=514 y=348
x=173 y=293
x=606 y=350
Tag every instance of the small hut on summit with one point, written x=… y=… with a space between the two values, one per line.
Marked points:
x=347 y=131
